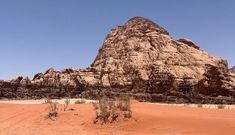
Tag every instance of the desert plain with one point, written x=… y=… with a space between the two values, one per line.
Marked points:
x=29 y=117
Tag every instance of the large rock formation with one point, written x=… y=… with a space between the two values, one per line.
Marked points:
x=142 y=59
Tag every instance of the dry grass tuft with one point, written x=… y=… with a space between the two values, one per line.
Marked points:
x=66 y=104
x=52 y=110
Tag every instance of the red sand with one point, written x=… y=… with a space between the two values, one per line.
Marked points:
x=148 y=119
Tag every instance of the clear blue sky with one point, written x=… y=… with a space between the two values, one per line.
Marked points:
x=38 y=34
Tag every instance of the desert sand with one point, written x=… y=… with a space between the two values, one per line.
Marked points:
x=148 y=119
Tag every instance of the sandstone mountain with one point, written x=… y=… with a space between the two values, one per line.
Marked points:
x=142 y=59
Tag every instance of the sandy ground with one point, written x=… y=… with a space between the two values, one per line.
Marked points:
x=41 y=101
x=148 y=119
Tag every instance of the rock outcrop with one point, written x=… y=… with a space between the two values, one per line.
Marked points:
x=142 y=59
x=232 y=70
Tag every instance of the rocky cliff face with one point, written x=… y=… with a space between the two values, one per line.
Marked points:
x=232 y=70
x=142 y=59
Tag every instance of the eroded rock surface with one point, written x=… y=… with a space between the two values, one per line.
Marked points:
x=142 y=59
x=232 y=70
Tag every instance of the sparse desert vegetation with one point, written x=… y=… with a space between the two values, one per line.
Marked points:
x=221 y=106
x=147 y=118
x=109 y=110
x=123 y=103
x=80 y=101
x=66 y=104
x=199 y=105
x=52 y=110
x=47 y=101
